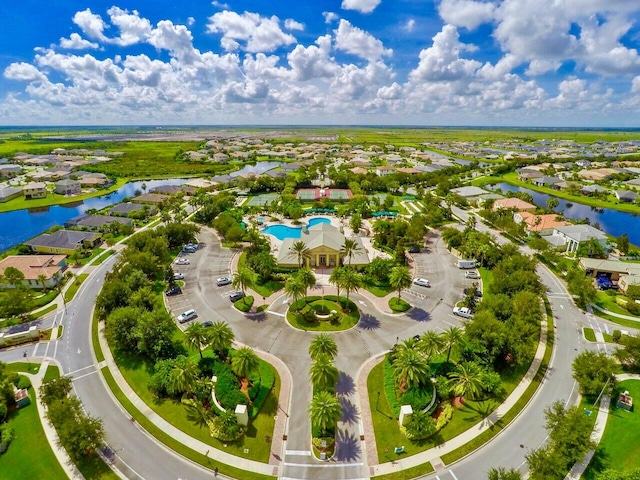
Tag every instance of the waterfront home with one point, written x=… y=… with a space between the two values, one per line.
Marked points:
x=96 y=222
x=469 y=193
x=323 y=242
x=40 y=271
x=124 y=209
x=574 y=235
x=35 y=190
x=9 y=193
x=591 y=189
x=201 y=184
x=64 y=241
x=568 y=185
x=166 y=189
x=10 y=170
x=513 y=203
x=546 y=181
x=152 y=198
x=68 y=187
x=626 y=196
x=527 y=174
x=543 y=225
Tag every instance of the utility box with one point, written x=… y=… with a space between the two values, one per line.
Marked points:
x=405 y=414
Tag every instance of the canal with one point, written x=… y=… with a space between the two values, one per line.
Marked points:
x=613 y=222
x=20 y=225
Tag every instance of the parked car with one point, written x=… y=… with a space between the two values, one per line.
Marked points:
x=466 y=264
x=467 y=291
x=178 y=276
x=463 y=312
x=423 y=282
x=183 y=261
x=223 y=281
x=604 y=283
x=414 y=249
x=175 y=290
x=208 y=323
x=187 y=316
x=190 y=248
x=473 y=274
x=237 y=295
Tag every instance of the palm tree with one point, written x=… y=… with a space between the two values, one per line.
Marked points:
x=324 y=411
x=336 y=278
x=243 y=278
x=349 y=248
x=183 y=376
x=198 y=414
x=300 y=251
x=307 y=277
x=244 y=361
x=323 y=373
x=431 y=342
x=323 y=344
x=400 y=278
x=451 y=337
x=466 y=380
x=295 y=288
x=42 y=279
x=197 y=336
x=351 y=281
x=221 y=338
x=411 y=368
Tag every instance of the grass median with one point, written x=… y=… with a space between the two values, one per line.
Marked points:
x=73 y=288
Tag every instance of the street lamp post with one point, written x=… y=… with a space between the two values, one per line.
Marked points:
x=377 y=401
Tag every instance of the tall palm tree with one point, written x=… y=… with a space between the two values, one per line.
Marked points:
x=324 y=411
x=431 y=342
x=323 y=373
x=400 y=278
x=351 y=281
x=183 y=376
x=221 y=338
x=410 y=368
x=349 y=248
x=197 y=336
x=244 y=361
x=300 y=251
x=323 y=344
x=466 y=380
x=336 y=278
x=294 y=288
x=307 y=277
x=243 y=278
x=451 y=337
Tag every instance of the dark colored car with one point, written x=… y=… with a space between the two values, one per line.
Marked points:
x=208 y=323
x=235 y=296
x=175 y=290
x=414 y=249
x=467 y=291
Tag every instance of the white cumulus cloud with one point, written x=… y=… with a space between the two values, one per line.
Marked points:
x=24 y=72
x=76 y=42
x=291 y=24
x=410 y=25
x=466 y=13
x=362 y=6
x=356 y=41
x=330 y=17
x=90 y=23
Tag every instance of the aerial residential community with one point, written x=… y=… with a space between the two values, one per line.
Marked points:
x=338 y=240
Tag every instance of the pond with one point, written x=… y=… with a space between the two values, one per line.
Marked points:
x=612 y=222
x=20 y=225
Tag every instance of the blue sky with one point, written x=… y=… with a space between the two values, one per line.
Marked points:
x=420 y=62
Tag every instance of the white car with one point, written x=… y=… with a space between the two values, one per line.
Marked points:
x=183 y=261
x=423 y=282
x=473 y=274
x=223 y=281
x=178 y=276
x=186 y=316
x=463 y=312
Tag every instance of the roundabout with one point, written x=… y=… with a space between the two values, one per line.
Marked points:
x=328 y=313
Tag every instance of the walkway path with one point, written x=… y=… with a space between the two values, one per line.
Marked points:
x=617 y=315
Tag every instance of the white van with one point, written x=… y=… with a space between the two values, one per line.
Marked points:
x=186 y=316
x=466 y=264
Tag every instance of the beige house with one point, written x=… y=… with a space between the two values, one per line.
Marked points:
x=513 y=203
x=37 y=269
x=35 y=190
x=68 y=187
x=541 y=224
x=323 y=242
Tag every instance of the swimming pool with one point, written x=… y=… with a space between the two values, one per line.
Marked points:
x=282 y=231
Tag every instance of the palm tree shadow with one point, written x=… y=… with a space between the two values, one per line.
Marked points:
x=345 y=384
x=347 y=447
x=418 y=314
x=257 y=317
x=368 y=322
x=350 y=413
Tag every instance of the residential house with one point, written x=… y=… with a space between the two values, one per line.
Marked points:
x=566 y=185
x=68 y=187
x=627 y=196
x=9 y=193
x=166 y=189
x=220 y=157
x=574 y=235
x=469 y=193
x=596 y=267
x=626 y=280
x=524 y=174
x=124 y=209
x=64 y=241
x=408 y=170
x=152 y=198
x=543 y=225
x=40 y=271
x=35 y=190
x=359 y=170
x=546 y=181
x=9 y=170
x=591 y=189
x=597 y=174
x=96 y=222
x=324 y=243
x=515 y=204
x=201 y=184
x=385 y=170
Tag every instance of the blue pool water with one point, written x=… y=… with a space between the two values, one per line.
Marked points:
x=282 y=231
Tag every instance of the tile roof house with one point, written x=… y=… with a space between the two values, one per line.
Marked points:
x=514 y=203
x=324 y=243
x=541 y=224
x=63 y=241
x=51 y=267
x=153 y=198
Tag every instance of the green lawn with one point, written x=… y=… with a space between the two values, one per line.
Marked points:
x=29 y=455
x=397 y=304
x=73 y=288
x=103 y=257
x=609 y=303
x=623 y=322
x=244 y=304
x=379 y=290
x=620 y=443
x=266 y=289
x=348 y=320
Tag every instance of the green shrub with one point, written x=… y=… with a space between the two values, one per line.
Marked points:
x=443 y=387
x=7 y=433
x=3 y=410
x=227 y=387
x=420 y=426
x=244 y=304
x=616 y=335
x=634 y=308
x=445 y=415
x=390 y=389
x=23 y=382
x=611 y=293
x=418 y=398
x=633 y=291
x=398 y=305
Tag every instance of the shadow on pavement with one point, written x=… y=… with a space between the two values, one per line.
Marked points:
x=368 y=322
x=349 y=412
x=257 y=317
x=347 y=447
x=419 y=315
x=345 y=385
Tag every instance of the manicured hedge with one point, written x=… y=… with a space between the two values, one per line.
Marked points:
x=227 y=387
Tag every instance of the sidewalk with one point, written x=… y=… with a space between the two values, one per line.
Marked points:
x=617 y=315
x=196 y=445
x=436 y=452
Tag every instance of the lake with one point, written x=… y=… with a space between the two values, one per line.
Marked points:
x=21 y=225
x=613 y=222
